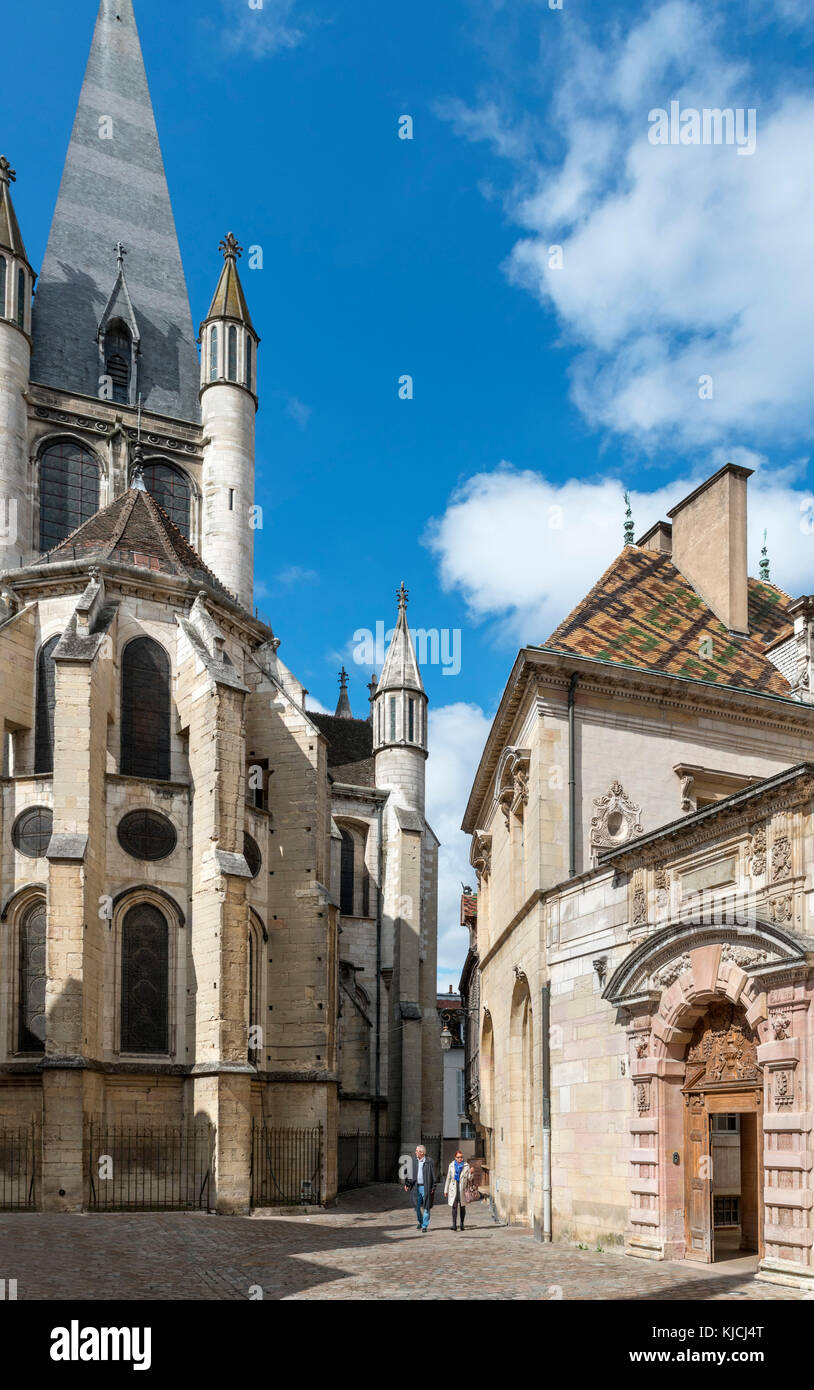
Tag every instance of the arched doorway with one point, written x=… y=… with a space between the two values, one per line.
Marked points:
x=723 y=1136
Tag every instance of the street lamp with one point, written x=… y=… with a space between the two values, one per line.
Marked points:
x=446 y=1038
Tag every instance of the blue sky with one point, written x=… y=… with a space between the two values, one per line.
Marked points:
x=539 y=393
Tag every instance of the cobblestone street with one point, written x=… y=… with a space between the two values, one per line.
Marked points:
x=366 y=1248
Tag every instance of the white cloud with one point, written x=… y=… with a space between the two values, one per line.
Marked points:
x=312 y=703
x=456 y=737
x=296 y=574
x=265 y=28
x=679 y=262
x=298 y=412
x=523 y=551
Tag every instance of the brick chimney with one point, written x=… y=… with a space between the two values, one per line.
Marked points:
x=709 y=544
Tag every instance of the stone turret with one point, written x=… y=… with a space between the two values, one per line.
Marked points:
x=16 y=284
x=228 y=407
x=400 y=718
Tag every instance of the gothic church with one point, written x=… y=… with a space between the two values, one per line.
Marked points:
x=216 y=908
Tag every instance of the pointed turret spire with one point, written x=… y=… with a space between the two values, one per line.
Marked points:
x=10 y=237
x=399 y=702
x=114 y=189
x=400 y=670
x=16 y=276
x=343 y=709
x=229 y=301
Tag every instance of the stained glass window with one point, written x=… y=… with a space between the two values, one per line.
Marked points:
x=147 y=835
x=145 y=746
x=145 y=980
x=69 y=491
x=252 y=855
x=32 y=831
x=171 y=491
x=46 y=702
x=232 y=368
x=21 y=299
x=31 y=1032
x=213 y=355
x=346 y=875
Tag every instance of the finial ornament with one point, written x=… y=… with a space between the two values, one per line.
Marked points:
x=7 y=174
x=343 y=679
x=764 y=562
x=629 y=527
x=401 y=595
x=230 y=247
x=121 y=252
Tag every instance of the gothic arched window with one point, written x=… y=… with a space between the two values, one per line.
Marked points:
x=46 y=701
x=255 y=990
x=354 y=880
x=118 y=359
x=69 y=491
x=21 y=299
x=346 y=875
x=171 y=491
x=31 y=1007
x=249 y=363
x=231 y=371
x=3 y=275
x=145 y=980
x=213 y=354
x=145 y=746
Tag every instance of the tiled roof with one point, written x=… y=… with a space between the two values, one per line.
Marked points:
x=644 y=613
x=135 y=530
x=350 y=748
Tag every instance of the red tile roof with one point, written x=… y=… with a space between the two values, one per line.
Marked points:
x=644 y=613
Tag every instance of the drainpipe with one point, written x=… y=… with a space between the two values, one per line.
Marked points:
x=572 y=782
x=379 y=900
x=546 y=1024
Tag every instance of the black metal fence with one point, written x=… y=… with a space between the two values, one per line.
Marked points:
x=286 y=1166
x=19 y=1169
x=359 y=1163
x=139 y=1169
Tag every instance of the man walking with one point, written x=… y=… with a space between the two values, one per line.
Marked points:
x=422 y=1182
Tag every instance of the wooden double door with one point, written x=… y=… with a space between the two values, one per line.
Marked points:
x=713 y=1199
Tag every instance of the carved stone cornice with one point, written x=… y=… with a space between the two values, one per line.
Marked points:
x=784 y=792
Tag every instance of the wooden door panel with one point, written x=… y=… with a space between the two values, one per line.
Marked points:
x=698 y=1184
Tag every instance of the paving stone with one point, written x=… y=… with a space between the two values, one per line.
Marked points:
x=365 y=1248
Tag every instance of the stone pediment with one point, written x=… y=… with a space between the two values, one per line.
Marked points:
x=655 y=965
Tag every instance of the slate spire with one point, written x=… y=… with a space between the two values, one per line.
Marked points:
x=400 y=670
x=113 y=190
x=343 y=709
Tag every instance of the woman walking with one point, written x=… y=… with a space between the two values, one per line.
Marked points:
x=459 y=1176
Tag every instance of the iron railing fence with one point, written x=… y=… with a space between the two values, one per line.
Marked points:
x=19 y=1168
x=357 y=1158
x=286 y=1168
x=135 y=1168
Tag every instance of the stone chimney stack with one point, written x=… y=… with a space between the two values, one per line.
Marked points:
x=709 y=544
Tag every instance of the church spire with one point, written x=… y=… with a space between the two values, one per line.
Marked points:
x=114 y=189
x=10 y=237
x=343 y=709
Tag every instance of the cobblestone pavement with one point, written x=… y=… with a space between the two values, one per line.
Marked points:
x=366 y=1248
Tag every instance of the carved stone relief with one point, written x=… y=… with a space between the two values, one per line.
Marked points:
x=725 y=1045
x=757 y=851
x=781 y=858
x=615 y=819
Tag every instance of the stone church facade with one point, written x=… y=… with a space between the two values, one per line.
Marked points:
x=184 y=935
x=643 y=837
